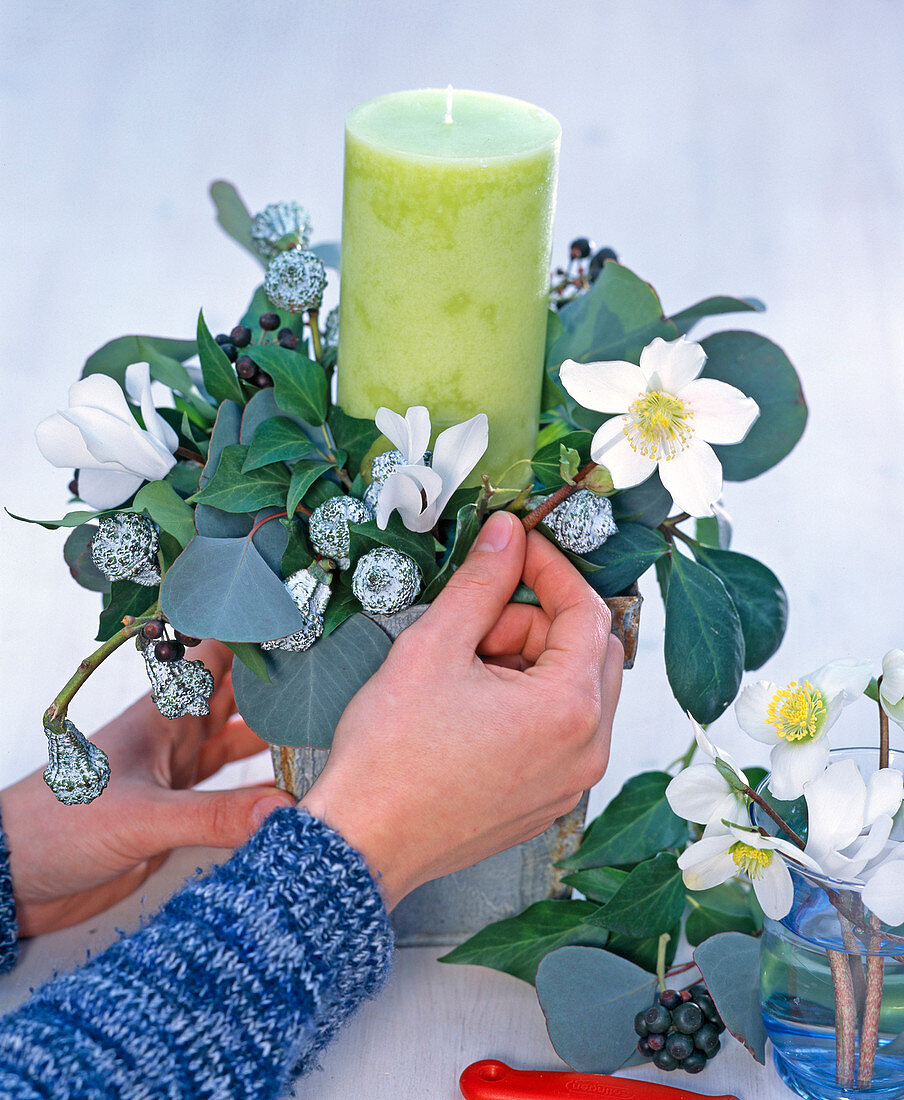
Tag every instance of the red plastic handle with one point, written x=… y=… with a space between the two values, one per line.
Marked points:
x=492 y=1080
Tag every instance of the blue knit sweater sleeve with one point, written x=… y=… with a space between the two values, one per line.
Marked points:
x=9 y=931
x=228 y=992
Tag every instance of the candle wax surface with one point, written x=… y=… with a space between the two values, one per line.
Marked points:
x=446 y=239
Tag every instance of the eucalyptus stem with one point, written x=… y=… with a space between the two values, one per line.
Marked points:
x=315 y=333
x=540 y=513
x=883 y=728
x=845 y=1018
x=57 y=709
x=660 y=960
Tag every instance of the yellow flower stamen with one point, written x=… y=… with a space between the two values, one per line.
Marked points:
x=658 y=425
x=797 y=711
x=752 y=860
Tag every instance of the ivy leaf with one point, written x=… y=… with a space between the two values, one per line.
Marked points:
x=649 y=902
x=309 y=691
x=304 y=474
x=298 y=553
x=590 y=998
x=124 y=598
x=220 y=379
x=71 y=519
x=299 y=384
x=277 y=440
x=223 y=588
x=466 y=527
x=713 y=307
x=353 y=434
x=170 y=372
x=704 y=643
x=635 y=825
x=167 y=509
x=116 y=355
x=225 y=433
x=517 y=945
x=624 y=557
x=77 y=555
x=724 y=908
x=597 y=884
x=762 y=370
x=263 y=407
x=232 y=490
x=759 y=599
x=644 y=951
x=366 y=536
x=730 y=965
x=233 y=215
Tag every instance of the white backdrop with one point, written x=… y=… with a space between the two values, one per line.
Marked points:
x=721 y=147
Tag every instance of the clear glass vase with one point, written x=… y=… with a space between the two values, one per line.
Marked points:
x=832 y=986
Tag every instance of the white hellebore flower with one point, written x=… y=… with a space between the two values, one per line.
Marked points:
x=419 y=492
x=721 y=853
x=891 y=686
x=701 y=792
x=668 y=418
x=99 y=436
x=795 y=719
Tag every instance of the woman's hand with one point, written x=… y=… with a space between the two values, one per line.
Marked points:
x=71 y=862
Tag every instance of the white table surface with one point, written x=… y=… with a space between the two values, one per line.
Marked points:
x=749 y=147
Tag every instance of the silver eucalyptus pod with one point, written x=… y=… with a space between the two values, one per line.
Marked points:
x=276 y=222
x=582 y=522
x=124 y=548
x=381 y=467
x=295 y=281
x=328 y=526
x=311 y=595
x=178 y=687
x=386 y=581
x=78 y=770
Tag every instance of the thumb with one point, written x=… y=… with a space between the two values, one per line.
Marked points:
x=475 y=595
x=218 y=819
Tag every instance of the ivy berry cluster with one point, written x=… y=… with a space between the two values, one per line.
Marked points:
x=680 y=1030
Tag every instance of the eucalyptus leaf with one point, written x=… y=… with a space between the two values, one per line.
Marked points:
x=730 y=965
x=329 y=252
x=590 y=998
x=517 y=944
x=649 y=902
x=309 y=691
x=724 y=908
x=304 y=474
x=648 y=503
x=466 y=527
x=713 y=307
x=233 y=215
x=635 y=825
x=277 y=440
x=759 y=368
x=270 y=537
x=167 y=509
x=758 y=596
x=124 y=598
x=184 y=478
x=546 y=461
x=216 y=524
x=116 y=355
x=704 y=643
x=299 y=384
x=354 y=435
x=223 y=588
x=262 y=407
x=232 y=490
x=226 y=429
x=77 y=555
x=220 y=379
x=624 y=557
x=644 y=951
x=251 y=657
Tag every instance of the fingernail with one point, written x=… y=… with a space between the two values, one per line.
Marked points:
x=496 y=533
x=265 y=807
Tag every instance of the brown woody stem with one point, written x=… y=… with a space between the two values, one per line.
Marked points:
x=845 y=1018
x=777 y=818
x=883 y=729
x=540 y=513
x=869 y=1032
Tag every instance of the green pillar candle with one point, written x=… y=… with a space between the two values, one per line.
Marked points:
x=446 y=239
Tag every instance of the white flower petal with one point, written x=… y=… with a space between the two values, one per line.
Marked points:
x=722 y=413
x=699 y=793
x=708 y=862
x=774 y=890
x=409 y=433
x=892 y=687
x=693 y=477
x=138 y=386
x=795 y=763
x=61 y=443
x=610 y=448
x=884 y=792
x=869 y=846
x=404 y=490
x=110 y=439
x=835 y=805
x=106 y=488
x=671 y=364
x=606 y=387
x=100 y=391
x=456 y=452
x=884 y=892
x=848 y=677
x=751 y=710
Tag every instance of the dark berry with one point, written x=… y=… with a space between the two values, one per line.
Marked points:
x=269 y=322
x=687 y=1018
x=640 y=1026
x=670 y=998
x=696 y=989
x=230 y=351
x=153 y=629
x=73 y=487
x=186 y=639
x=694 y=1063
x=679 y=1046
x=643 y=1046
x=664 y=1060
x=706 y=1038
x=168 y=651
x=657 y=1041
x=245 y=367
x=707 y=1006
x=659 y=1019
x=685 y=996
x=713 y=1051
x=221 y=338
x=240 y=336
x=262 y=380
x=286 y=338
x=580 y=248
x=599 y=261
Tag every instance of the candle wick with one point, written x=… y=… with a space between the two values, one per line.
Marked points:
x=448 y=120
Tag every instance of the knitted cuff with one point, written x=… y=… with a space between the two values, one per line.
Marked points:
x=9 y=938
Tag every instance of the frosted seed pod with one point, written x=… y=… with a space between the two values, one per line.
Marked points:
x=386 y=581
x=125 y=548
x=178 y=687
x=78 y=770
x=384 y=464
x=311 y=595
x=295 y=281
x=328 y=526
x=582 y=522
x=278 y=220
x=331 y=330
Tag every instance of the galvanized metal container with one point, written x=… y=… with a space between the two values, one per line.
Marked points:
x=449 y=909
